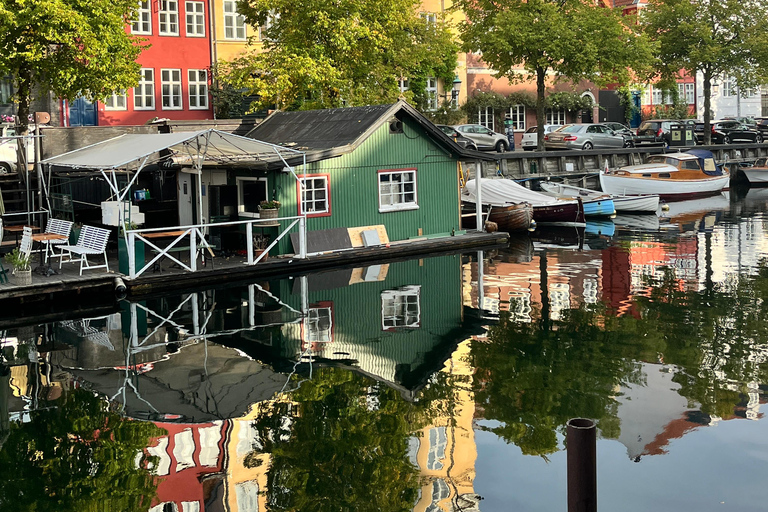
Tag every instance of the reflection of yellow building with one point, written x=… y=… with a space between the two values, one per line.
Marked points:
x=446 y=450
x=246 y=485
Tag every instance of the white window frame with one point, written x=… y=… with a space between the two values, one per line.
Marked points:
x=240 y=200
x=430 y=18
x=657 y=96
x=395 y=308
x=438 y=441
x=668 y=99
x=145 y=90
x=197 y=85
x=312 y=333
x=388 y=187
x=431 y=90
x=485 y=117
x=174 y=89
x=194 y=15
x=143 y=24
x=403 y=84
x=168 y=18
x=114 y=101
x=646 y=97
x=233 y=22
x=517 y=115
x=728 y=88
x=557 y=117
x=690 y=93
x=309 y=190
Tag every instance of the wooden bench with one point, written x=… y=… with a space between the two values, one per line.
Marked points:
x=92 y=240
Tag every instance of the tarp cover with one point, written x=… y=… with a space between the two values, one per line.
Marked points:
x=498 y=192
x=211 y=145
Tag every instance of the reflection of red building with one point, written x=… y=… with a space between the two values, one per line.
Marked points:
x=191 y=464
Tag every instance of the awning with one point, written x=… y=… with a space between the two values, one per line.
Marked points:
x=196 y=148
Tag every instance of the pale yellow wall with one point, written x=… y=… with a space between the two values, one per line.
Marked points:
x=228 y=49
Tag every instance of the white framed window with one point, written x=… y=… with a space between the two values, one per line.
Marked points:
x=485 y=117
x=686 y=93
x=315 y=195
x=144 y=93
x=556 y=116
x=168 y=16
x=401 y=308
x=431 y=91
x=197 y=81
x=402 y=84
x=430 y=18
x=319 y=325
x=263 y=29
x=195 y=16
x=143 y=22
x=646 y=97
x=397 y=190
x=517 y=115
x=118 y=101
x=234 y=23
x=170 y=86
x=668 y=99
x=657 y=95
x=440 y=492
x=438 y=440
x=250 y=193
x=729 y=87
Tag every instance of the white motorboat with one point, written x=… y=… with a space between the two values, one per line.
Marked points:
x=671 y=176
x=758 y=173
x=622 y=203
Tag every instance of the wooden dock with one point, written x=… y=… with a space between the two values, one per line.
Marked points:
x=68 y=293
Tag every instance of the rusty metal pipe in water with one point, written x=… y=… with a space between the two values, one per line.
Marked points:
x=581 y=445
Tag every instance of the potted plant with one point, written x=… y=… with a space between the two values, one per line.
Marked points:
x=21 y=266
x=260 y=244
x=268 y=209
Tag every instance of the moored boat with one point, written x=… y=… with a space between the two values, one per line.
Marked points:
x=546 y=209
x=758 y=173
x=622 y=203
x=673 y=176
x=595 y=204
x=510 y=217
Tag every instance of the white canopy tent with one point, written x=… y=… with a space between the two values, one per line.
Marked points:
x=133 y=152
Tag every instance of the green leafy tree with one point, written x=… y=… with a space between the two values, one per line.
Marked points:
x=78 y=456
x=67 y=47
x=340 y=442
x=718 y=39
x=571 y=39
x=320 y=54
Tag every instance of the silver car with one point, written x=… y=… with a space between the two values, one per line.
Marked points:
x=484 y=138
x=583 y=136
x=531 y=136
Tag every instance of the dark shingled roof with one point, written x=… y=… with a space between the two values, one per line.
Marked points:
x=333 y=132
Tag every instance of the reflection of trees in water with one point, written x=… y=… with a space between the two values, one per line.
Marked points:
x=533 y=377
x=76 y=456
x=340 y=443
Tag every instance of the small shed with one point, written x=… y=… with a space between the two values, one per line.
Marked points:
x=372 y=174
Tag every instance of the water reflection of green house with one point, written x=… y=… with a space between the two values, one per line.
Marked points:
x=397 y=323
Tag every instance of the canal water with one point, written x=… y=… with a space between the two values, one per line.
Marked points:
x=435 y=384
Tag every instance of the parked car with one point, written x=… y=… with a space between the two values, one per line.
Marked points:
x=728 y=132
x=484 y=139
x=8 y=147
x=456 y=136
x=748 y=121
x=761 y=125
x=624 y=131
x=583 y=136
x=657 y=131
x=531 y=138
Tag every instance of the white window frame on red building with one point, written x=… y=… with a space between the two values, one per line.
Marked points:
x=145 y=90
x=197 y=84
x=517 y=116
x=143 y=24
x=114 y=101
x=168 y=18
x=556 y=117
x=174 y=89
x=194 y=12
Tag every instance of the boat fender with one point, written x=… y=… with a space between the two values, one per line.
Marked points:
x=491 y=227
x=120 y=288
x=665 y=207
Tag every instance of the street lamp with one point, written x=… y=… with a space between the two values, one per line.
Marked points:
x=455 y=90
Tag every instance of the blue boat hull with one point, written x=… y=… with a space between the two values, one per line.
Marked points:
x=599 y=208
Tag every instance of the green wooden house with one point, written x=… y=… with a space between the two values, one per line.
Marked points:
x=383 y=165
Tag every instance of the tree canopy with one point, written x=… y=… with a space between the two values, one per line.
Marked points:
x=320 y=54
x=524 y=40
x=67 y=47
x=717 y=38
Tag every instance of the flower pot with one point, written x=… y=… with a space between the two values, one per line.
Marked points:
x=23 y=277
x=268 y=213
x=259 y=252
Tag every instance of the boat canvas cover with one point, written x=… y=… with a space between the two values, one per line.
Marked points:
x=707 y=162
x=500 y=192
x=208 y=145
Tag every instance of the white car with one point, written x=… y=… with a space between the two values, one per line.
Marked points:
x=8 y=148
x=530 y=138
